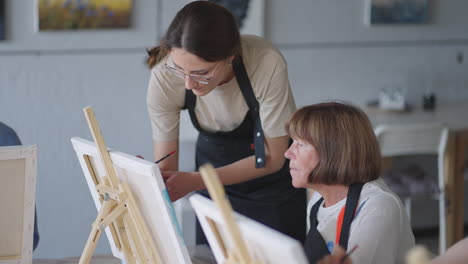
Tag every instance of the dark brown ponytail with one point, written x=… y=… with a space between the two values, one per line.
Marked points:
x=155 y=55
x=202 y=28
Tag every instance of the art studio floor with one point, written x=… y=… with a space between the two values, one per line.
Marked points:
x=95 y=260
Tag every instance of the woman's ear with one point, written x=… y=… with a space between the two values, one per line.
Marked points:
x=230 y=59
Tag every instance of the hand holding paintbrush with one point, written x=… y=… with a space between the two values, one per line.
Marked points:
x=161 y=159
x=338 y=256
x=165 y=157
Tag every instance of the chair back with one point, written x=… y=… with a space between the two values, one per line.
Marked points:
x=412 y=139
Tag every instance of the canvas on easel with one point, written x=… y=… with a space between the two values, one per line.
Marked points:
x=18 y=170
x=231 y=234
x=141 y=181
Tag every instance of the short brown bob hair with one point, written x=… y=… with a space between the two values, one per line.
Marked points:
x=342 y=134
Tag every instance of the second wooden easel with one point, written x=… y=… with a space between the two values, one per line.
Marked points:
x=119 y=211
x=239 y=253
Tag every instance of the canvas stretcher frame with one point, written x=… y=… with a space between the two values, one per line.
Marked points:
x=235 y=238
x=140 y=180
x=18 y=172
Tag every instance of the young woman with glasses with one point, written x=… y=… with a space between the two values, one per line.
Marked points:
x=237 y=93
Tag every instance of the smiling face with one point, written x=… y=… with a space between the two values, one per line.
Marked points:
x=189 y=63
x=304 y=159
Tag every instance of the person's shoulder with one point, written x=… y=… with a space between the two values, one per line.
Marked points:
x=8 y=136
x=6 y=130
x=378 y=195
x=377 y=187
x=161 y=80
x=253 y=41
x=257 y=49
x=159 y=70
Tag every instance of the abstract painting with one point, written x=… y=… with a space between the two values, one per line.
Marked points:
x=249 y=14
x=397 y=11
x=83 y=14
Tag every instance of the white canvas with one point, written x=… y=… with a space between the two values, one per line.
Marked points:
x=265 y=245
x=149 y=190
x=18 y=170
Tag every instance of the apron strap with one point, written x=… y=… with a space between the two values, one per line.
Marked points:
x=313 y=213
x=352 y=202
x=315 y=246
x=190 y=101
x=249 y=96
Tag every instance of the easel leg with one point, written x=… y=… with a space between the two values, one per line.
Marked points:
x=95 y=233
x=126 y=247
x=139 y=232
x=137 y=250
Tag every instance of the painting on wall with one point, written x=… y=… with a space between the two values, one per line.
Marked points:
x=2 y=20
x=249 y=14
x=83 y=14
x=397 y=12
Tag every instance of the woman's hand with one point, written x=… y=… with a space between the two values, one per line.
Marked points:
x=179 y=183
x=337 y=257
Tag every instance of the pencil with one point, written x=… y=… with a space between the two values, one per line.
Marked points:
x=165 y=157
x=343 y=259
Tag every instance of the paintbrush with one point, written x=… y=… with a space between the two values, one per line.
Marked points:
x=165 y=157
x=343 y=259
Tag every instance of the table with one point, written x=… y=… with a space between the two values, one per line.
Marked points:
x=455 y=117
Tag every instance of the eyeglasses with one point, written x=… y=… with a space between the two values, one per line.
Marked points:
x=202 y=79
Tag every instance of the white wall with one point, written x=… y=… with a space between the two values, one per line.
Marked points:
x=335 y=21
x=47 y=78
x=357 y=74
x=333 y=54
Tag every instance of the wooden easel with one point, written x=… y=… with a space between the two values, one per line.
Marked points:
x=119 y=211
x=239 y=254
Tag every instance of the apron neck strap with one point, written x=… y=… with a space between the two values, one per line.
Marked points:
x=352 y=202
x=344 y=224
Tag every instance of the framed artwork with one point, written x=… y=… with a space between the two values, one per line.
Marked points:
x=382 y=12
x=2 y=20
x=83 y=14
x=249 y=14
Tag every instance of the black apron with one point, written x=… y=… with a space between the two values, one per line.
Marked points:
x=315 y=246
x=271 y=200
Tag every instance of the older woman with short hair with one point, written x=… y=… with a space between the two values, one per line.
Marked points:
x=336 y=153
